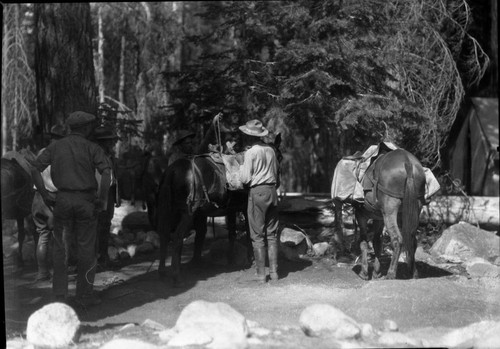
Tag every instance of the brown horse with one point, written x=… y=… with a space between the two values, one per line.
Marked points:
x=394 y=187
x=17 y=198
x=190 y=191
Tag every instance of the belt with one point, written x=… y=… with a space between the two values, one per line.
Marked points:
x=263 y=184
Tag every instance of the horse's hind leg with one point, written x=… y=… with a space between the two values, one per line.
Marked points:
x=363 y=228
x=378 y=226
x=177 y=239
x=200 y=226
x=390 y=213
x=337 y=239
x=231 y=228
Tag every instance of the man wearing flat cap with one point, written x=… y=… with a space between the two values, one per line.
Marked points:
x=74 y=160
x=260 y=172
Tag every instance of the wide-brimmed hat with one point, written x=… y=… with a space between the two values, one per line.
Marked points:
x=254 y=128
x=104 y=133
x=79 y=119
x=183 y=134
x=58 y=131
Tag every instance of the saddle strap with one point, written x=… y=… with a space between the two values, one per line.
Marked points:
x=197 y=172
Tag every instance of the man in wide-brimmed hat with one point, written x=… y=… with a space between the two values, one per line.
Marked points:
x=74 y=160
x=260 y=172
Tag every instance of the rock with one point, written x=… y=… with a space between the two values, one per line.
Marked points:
x=368 y=332
x=53 y=326
x=226 y=326
x=123 y=253
x=478 y=267
x=489 y=339
x=497 y=261
x=291 y=237
x=391 y=339
x=153 y=237
x=320 y=320
x=456 y=337
x=153 y=325
x=140 y=236
x=390 y=326
x=126 y=343
x=320 y=248
x=190 y=336
x=464 y=241
x=18 y=343
x=293 y=253
x=126 y=327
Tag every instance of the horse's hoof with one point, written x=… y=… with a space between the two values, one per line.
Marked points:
x=363 y=275
x=390 y=276
x=376 y=276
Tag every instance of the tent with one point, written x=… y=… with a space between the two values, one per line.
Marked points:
x=473 y=151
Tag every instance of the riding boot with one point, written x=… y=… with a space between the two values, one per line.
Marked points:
x=272 y=249
x=260 y=262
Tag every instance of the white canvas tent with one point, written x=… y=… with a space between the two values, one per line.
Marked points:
x=473 y=152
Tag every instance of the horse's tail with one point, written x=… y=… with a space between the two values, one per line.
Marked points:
x=410 y=211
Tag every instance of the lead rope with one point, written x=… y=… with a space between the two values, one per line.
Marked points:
x=217 y=134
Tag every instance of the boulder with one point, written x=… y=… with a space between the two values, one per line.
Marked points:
x=293 y=244
x=321 y=248
x=201 y=321
x=128 y=343
x=464 y=337
x=324 y=320
x=478 y=267
x=463 y=241
x=55 y=325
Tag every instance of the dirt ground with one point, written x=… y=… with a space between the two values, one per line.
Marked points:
x=441 y=297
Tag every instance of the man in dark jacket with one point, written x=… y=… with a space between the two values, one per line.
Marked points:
x=74 y=160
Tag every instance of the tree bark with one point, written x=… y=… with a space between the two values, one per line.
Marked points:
x=64 y=61
x=100 y=56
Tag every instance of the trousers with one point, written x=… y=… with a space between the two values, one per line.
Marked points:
x=262 y=212
x=75 y=221
x=44 y=224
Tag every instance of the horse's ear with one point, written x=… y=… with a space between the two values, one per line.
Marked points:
x=277 y=140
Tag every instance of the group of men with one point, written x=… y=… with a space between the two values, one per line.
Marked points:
x=74 y=179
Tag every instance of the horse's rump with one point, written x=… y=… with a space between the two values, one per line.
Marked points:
x=388 y=174
x=17 y=189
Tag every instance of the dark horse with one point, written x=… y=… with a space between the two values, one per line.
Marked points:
x=394 y=189
x=17 y=198
x=190 y=191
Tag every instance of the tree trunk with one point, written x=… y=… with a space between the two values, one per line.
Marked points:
x=121 y=85
x=63 y=61
x=100 y=56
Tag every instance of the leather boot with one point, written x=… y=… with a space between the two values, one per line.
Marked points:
x=260 y=262
x=272 y=249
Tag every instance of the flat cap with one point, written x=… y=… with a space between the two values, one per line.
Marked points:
x=79 y=118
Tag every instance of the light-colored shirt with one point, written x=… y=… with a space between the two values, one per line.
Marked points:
x=260 y=166
x=47 y=179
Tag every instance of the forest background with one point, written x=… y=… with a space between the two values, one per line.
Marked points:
x=331 y=76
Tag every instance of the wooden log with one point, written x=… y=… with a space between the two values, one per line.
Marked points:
x=477 y=210
x=480 y=210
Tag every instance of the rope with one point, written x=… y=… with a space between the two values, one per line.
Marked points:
x=217 y=133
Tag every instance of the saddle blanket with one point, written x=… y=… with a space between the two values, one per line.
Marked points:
x=349 y=173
